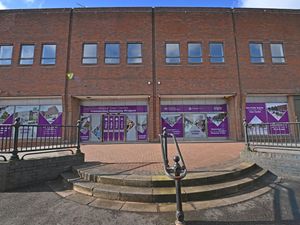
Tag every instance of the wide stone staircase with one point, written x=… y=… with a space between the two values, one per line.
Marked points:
x=124 y=190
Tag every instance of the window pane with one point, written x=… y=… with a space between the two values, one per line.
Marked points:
x=134 y=60
x=172 y=50
x=194 y=50
x=27 y=51
x=48 y=61
x=89 y=60
x=216 y=50
x=26 y=61
x=112 y=50
x=173 y=60
x=112 y=60
x=49 y=51
x=195 y=60
x=257 y=60
x=278 y=60
x=6 y=55
x=134 y=50
x=277 y=50
x=256 y=50
x=90 y=50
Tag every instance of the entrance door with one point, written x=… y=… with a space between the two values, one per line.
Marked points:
x=195 y=126
x=113 y=128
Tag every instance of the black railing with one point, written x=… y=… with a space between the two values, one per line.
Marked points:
x=280 y=135
x=36 y=139
x=176 y=172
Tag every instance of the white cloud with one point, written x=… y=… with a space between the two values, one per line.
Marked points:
x=282 y=4
x=2 y=6
x=29 y=1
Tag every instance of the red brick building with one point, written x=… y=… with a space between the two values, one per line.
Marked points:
x=129 y=71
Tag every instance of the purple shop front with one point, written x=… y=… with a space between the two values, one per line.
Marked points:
x=196 y=121
x=119 y=123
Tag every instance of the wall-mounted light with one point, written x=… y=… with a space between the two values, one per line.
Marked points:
x=149 y=82
x=158 y=82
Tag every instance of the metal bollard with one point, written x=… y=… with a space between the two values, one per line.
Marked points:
x=179 y=212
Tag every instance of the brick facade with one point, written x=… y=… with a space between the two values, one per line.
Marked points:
x=153 y=81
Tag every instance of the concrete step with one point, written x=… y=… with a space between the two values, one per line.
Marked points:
x=96 y=174
x=167 y=194
x=59 y=187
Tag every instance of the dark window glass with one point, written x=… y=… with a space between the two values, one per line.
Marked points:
x=27 y=54
x=172 y=53
x=49 y=55
x=194 y=53
x=112 y=53
x=216 y=52
x=89 y=54
x=6 y=54
x=277 y=53
x=256 y=53
x=134 y=53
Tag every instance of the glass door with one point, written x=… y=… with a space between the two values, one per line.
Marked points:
x=195 y=126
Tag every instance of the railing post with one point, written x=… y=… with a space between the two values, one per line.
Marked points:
x=78 y=151
x=165 y=136
x=179 y=212
x=16 y=125
x=247 y=144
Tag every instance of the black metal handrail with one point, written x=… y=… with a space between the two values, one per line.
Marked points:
x=36 y=139
x=176 y=172
x=281 y=135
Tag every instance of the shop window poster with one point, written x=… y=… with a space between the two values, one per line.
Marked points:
x=173 y=123
x=85 y=128
x=131 y=128
x=277 y=113
x=96 y=129
x=217 y=124
x=194 y=126
x=50 y=115
x=260 y=113
x=141 y=127
x=6 y=117
x=28 y=116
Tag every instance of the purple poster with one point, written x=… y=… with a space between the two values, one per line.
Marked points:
x=111 y=128
x=85 y=128
x=116 y=128
x=105 y=128
x=278 y=113
x=217 y=124
x=6 y=129
x=256 y=113
x=173 y=123
x=141 y=127
x=50 y=117
x=122 y=127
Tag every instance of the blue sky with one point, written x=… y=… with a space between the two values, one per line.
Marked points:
x=23 y=4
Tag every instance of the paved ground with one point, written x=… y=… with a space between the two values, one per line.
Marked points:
x=147 y=158
x=39 y=205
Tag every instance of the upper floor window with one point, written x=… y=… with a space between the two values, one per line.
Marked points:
x=49 y=54
x=89 y=54
x=256 y=53
x=172 y=53
x=134 y=53
x=277 y=53
x=6 y=54
x=27 y=54
x=216 y=52
x=194 y=53
x=112 y=53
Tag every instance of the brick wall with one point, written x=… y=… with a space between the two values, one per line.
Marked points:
x=15 y=174
x=153 y=27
